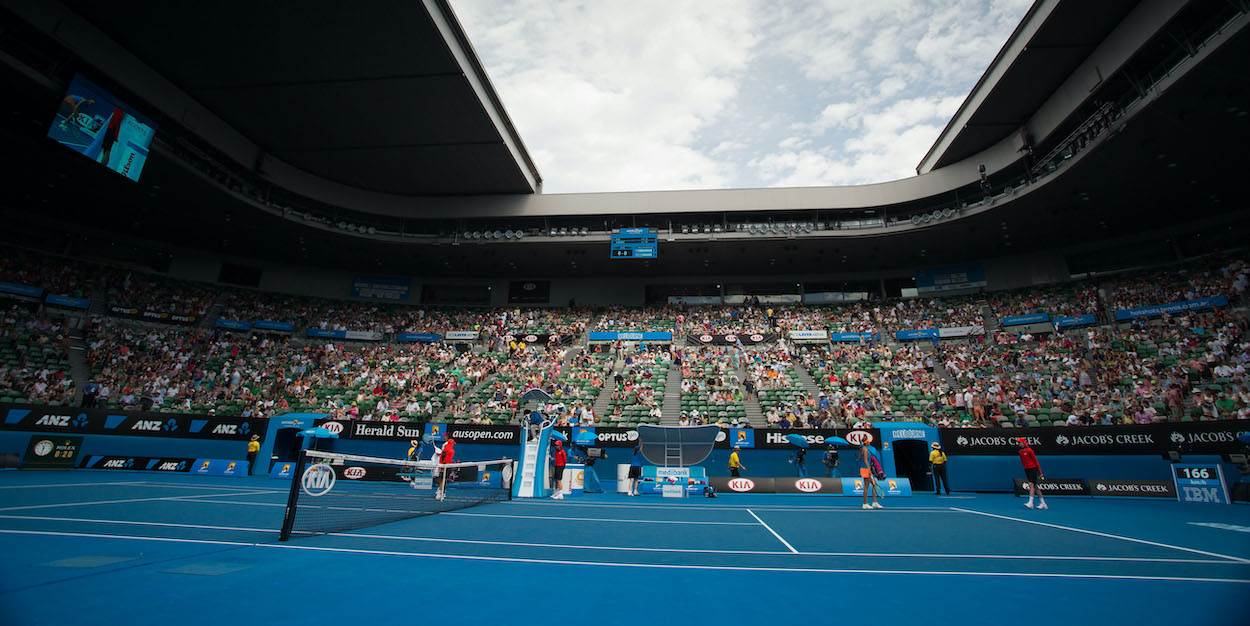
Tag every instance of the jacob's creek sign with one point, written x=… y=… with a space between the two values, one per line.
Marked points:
x=1217 y=437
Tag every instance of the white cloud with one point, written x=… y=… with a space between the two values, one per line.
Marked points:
x=738 y=93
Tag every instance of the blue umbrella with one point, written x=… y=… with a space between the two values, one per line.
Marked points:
x=535 y=394
x=837 y=441
x=318 y=433
x=797 y=440
x=559 y=436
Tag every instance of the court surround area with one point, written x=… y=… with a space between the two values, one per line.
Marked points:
x=151 y=548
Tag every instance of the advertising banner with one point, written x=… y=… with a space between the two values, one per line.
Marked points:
x=1216 y=437
x=363 y=335
x=729 y=340
x=233 y=324
x=1015 y=320
x=809 y=335
x=537 y=338
x=462 y=335
x=950 y=278
x=828 y=486
x=1175 y=307
x=325 y=333
x=282 y=470
x=922 y=333
x=1075 y=320
x=74 y=420
x=628 y=336
x=961 y=331
x=853 y=337
x=149 y=315
x=727 y=484
x=1203 y=484
x=219 y=467
x=51 y=452
x=21 y=290
x=419 y=337
x=1055 y=487
x=742 y=437
x=775 y=438
x=888 y=487
x=143 y=463
x=1132 y=488
x=285 y=327
x=390 y=288
x=67 y=301
x=529 y=292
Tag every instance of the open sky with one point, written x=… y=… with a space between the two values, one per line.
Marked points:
x=617 y=95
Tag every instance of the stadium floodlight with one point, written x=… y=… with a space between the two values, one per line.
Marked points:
x=717 y=229
x=477 y=234
x=685 y=229
x=915 y=219
x=508 y=233
x=373 y=231
x=925 y=218
x=937 y=215
x=585 y=231
x=342 y=225
x=707 y=229
x=468 y=235
x=948 y=212
x=564 y=231
x=351 y=228
x=498 y=235
x=520 y=234
x=554 y=232
x=809 y=227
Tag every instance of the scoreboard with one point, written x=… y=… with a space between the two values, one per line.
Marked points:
x=635 y=243
x=1200 y=483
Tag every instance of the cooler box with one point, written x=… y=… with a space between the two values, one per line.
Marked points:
x=622 y=478
x=572 y=482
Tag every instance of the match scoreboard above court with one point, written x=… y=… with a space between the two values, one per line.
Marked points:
x=635 y=243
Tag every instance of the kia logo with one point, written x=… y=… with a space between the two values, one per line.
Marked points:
x=742 y=484
x=531 y=338
x=731 y=338
x=333 y=428
x=807 y=485
x=705 y=338
x=859 y=437
x=529 y=286
x=757 y=337
x=354 y=473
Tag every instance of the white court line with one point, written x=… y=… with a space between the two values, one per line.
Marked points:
x=770 y=529
x=135 y=523
x=1108 y=535
x=69 y=485
x=599 y=519
x=171 y=498
x=569 y=546
x=231 y=502
x=497 y=559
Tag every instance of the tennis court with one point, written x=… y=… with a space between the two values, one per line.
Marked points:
x=115 y=547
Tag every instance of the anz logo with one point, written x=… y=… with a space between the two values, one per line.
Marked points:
x=149 y=425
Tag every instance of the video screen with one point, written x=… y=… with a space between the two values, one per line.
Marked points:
x=95 y=124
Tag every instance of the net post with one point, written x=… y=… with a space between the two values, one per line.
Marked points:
x=288 y=520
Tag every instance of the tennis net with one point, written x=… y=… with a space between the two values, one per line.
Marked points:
x=333 y=492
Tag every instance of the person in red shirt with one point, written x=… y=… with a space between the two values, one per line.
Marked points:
x=1032 y=473
x=445 y=475
x=558 y=458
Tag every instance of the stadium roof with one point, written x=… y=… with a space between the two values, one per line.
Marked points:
x=388 y=97
x=1049 y=44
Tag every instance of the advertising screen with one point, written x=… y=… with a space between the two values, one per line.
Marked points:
x=100 y=127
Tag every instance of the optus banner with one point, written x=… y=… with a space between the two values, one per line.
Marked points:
x=748 y=339
x=1216 y=437
x=73 y=420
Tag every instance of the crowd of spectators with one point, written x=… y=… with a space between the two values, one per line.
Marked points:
x=34 y=361
x=943 y=312
x=56 y=275
x=1058 y=301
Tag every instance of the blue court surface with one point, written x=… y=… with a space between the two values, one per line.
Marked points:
x=89 y=547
